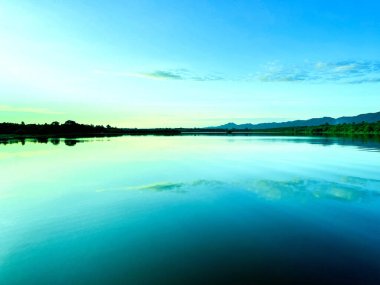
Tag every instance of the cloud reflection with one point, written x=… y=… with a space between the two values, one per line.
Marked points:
x=345 y=189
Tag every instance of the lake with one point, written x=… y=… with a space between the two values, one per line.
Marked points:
x=190 y=210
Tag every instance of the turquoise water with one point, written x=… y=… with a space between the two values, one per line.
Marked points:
x=190 y=210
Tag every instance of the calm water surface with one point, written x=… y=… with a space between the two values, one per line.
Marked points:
x=190 y=210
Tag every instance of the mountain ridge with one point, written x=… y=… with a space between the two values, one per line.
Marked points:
x=367 y=117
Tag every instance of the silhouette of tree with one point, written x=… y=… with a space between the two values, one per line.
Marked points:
x=70 y=123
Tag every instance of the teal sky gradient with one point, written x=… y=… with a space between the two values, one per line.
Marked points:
x=187 y=63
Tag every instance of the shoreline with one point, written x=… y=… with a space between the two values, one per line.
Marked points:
x=180 y=133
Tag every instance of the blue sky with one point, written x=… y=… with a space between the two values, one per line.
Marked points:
x=187 y=63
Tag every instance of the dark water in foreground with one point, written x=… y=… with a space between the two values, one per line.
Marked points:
x=190 y=210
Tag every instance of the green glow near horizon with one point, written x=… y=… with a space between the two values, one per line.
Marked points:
x=170 y=64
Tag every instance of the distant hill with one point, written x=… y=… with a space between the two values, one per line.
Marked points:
x=369 y=118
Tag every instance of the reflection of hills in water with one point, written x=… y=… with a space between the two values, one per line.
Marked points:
x=347 y=188
x=369 y=143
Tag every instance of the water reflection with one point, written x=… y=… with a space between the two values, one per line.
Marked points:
x=55 y=141
x=316 y=189
x=346 y=188
x=368 y=143
x=44 y=140
x=190 y=210
x=69 y=141
x=362 y=142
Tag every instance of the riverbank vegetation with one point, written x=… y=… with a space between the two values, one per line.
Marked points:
x=71 y=129
x=363 y=128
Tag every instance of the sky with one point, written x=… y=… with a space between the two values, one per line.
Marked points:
x=164 y=63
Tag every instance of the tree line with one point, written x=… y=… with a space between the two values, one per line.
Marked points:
x=67 y=128
x=72 y=129
x=362 y=128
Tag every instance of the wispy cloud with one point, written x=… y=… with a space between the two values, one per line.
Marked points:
x=349 y=72
x=344 y=72
x=167 y=74
x=6 y=108
x=180 y=74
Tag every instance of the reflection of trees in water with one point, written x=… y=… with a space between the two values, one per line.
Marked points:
x=55 y=141
x=371 y=143
x=42 y=140
x=71 y=142
x=13 y=141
